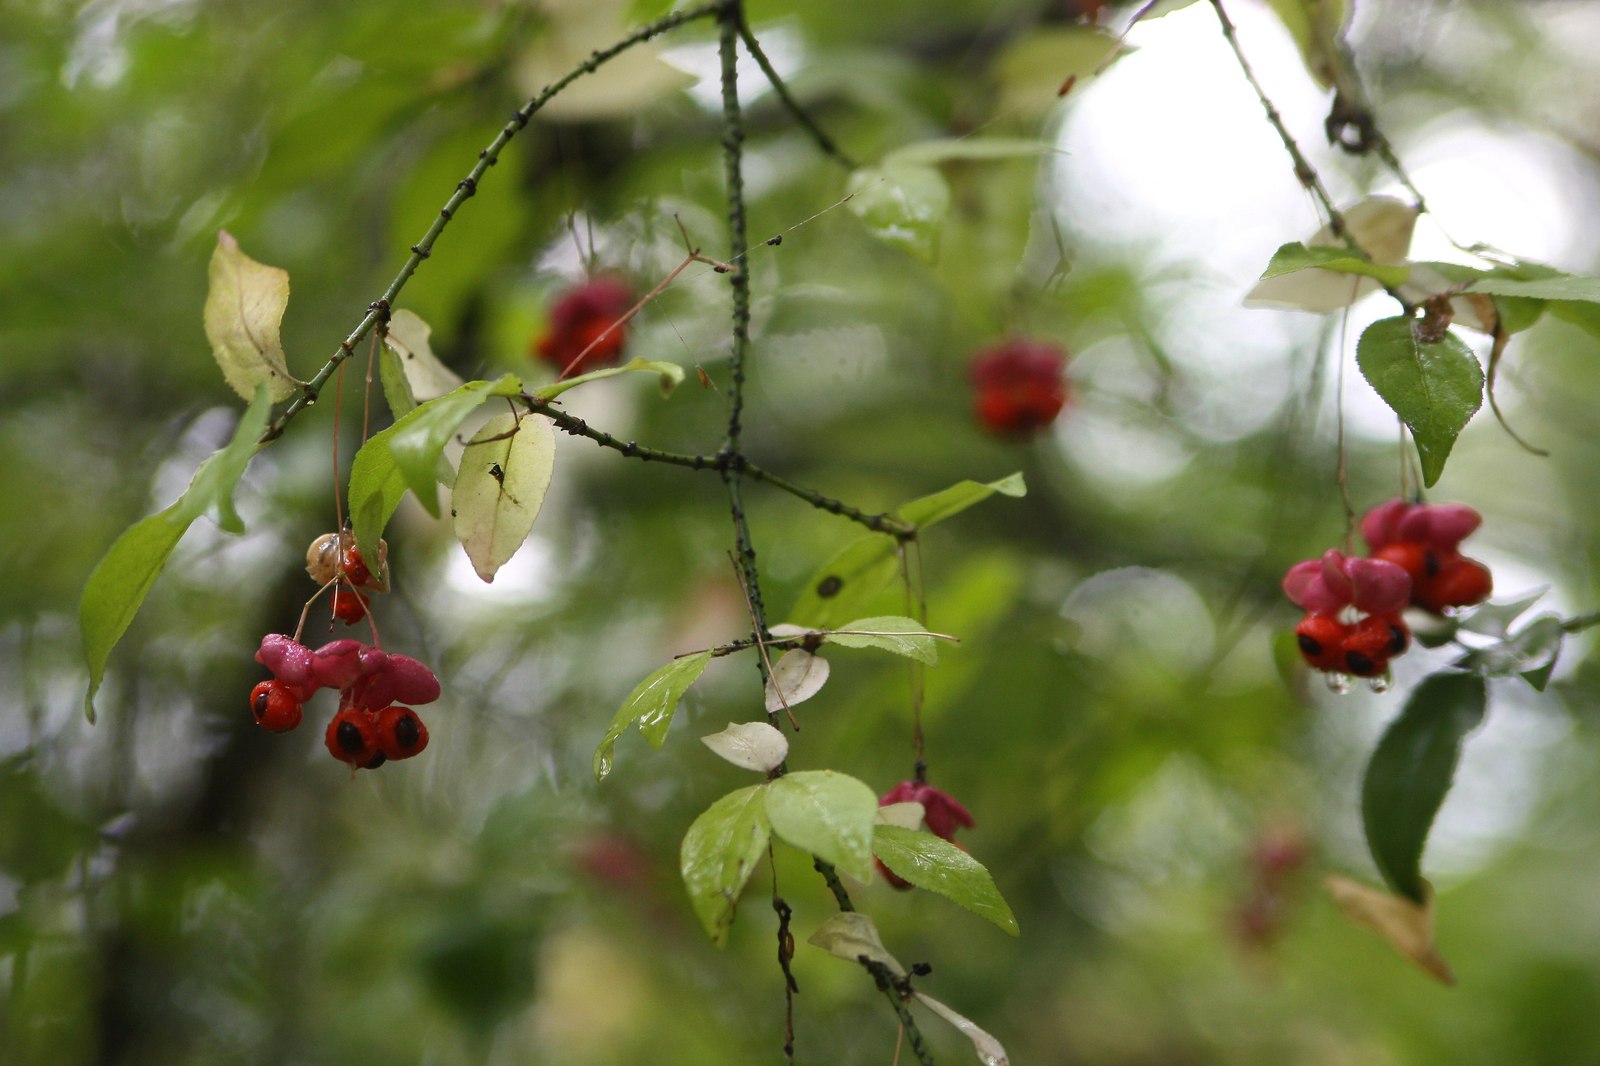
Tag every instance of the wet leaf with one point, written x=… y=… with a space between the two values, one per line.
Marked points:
x=501 y=484
x=406 y=456
x=751 y=745
x=937 y=865
x=892 y=633
x=796 y=676
x=1434 y=388
x=852 y=936
x=1411 y=771
x=244 y=305
x=124 y=576
x=849 y=582
x=652 y=704
x=828 y=814
x=720 y=851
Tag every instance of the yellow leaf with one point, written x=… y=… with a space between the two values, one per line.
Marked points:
x=1407 y=926
x=243 y=308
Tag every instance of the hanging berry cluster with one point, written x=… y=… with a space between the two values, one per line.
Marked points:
x=372 y=724
x=1353 y=624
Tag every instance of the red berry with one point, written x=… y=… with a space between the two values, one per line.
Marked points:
x=352 y=737
x=349 y=606
x=275 y=706
x=583 y=316
x=1412 y=556
x=1460 y=582
x=1372 y=643
x=401 y=733
x=1018 y=386
x=1321 y=638
x=355 y=568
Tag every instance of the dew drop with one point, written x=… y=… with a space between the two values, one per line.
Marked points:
x=1380 y=683
x=1338 y=683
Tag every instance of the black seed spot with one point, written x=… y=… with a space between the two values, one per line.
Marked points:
x=375 y=762
x=406 y=733
x=829 y=586
x=350 y=739
x=1309 y=644
x=1430 y=563
x=1397 y=639
x=259 y=704
x=1359 y=664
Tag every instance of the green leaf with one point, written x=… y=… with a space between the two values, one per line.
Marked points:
x=966 y=150
x=1566 y=287
x=892 y=633
x=244 y=305
x=652 y=704
x=505 y=473
x=396 y=389
x=125 y=575
x=937 y=865
x=849 y=582
x=720 y=851
x=377 y=479
x=1410 y=772
x=828 y=814
x=1293 y=257
x=903 y=204
x=417 y=441
x=669 y=375
x=1434 y=388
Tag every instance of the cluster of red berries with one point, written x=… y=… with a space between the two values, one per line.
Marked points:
x=582 y=317
x=942 y=813
x=371 y=726
x=1353 y=605
x=333 y=559
x=1018 y=386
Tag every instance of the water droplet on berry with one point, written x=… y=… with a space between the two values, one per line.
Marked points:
x=1381 y=683
x=1338 y=683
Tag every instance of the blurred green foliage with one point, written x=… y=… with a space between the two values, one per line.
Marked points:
x=177 y=887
